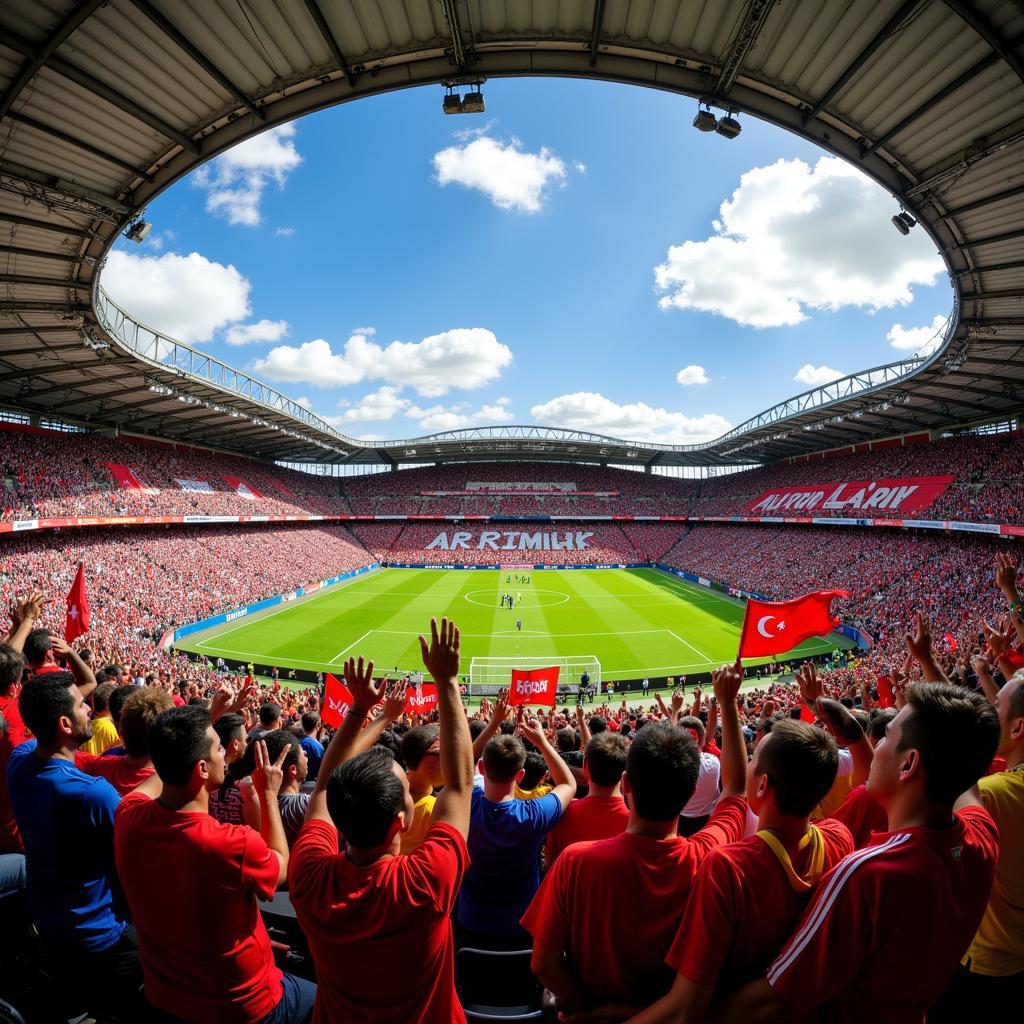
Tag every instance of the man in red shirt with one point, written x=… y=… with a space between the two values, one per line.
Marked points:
x=748 y=895
x=580 y=914
x=602 y=813
x=378 y=923
x=193 y=883
x=889 y=924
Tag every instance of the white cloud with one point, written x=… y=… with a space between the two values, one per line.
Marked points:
x=794 y=238
x=920 y=339
x=235 y=181
x=511 y=178
x=692 y=375
x=460 y=358
x=455 y=417
x=186 y=297
x=262 y=330
x=814 y=376
x=584 y=410
x=382 y=404
x=284 y=232
x=304 y=402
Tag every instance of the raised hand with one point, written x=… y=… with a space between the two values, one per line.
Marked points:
x=920 y=644
x=366 y=694
x=500 y=712
x=726 y=682
x=396 y=694
x=998 y=641
x=60 y=645
x=532 y=730
x=222 y=701
x=839 y=720
x=677 y=701
x=268 y=776
x=441 y=657
x=1006 y=575
x=29 y=608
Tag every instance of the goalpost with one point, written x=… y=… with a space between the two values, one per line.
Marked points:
x=488 y=675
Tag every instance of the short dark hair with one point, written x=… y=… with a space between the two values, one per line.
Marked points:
x=12 y=665
x=269 y=714
x=662 y=767
x=596 y=724
x=227 y=726
x=310 y=720
x=694 y=723
x=956 y=733
x=476 y=726
x=364 y=796
x=101 y=696
x=534 y=769
x=416 y=742
x=801 y=760
x=43 y=702
x=37 y=644
x=565 y=740
x=142 y=708
x=178 y=742
x=606 y=758
x=504 y=757
x=878 y=722
x=276 y=741
x=117 y=699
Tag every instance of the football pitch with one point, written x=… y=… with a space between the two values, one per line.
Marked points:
x=636 y=622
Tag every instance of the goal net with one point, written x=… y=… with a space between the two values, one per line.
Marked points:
x=488 y=675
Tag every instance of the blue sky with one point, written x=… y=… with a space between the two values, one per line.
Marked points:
x=559 y=259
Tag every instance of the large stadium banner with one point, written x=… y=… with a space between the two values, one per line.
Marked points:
x=538 y=686
x=512 y=540
x=906 y=494
x=242 y=489
x=129 y=479
x=337 y=701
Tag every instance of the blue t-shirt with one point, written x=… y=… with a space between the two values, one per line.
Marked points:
x=66 y=821
x=314 y=754
x=504 y=860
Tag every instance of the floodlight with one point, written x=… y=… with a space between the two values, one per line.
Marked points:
x=728 y=126
x=452 y=103
x=899 y=225
x=138 y=230
x=907 y=219
x=473 y=102
x=705 y=121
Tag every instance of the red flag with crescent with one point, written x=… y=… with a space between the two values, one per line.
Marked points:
x=775 y=627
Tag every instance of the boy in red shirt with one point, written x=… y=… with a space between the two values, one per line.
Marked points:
x=602 y=813
x=378 y=923
x=206 y=955
x=579 y=916
x=748 y=895
x=889 y=924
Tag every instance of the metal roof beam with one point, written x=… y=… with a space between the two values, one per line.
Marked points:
x=10 y=353
x=970 y=13
x=64 y=308
x=43 y=225
x=992 y=268
x=451 y=13
x=184 y=43
x=71 y=21
x=42 y=282
x=37 y=371
x=744 y=39
x=40 y=254
x=979 y=204
x=973 y=243
x=66 y=191
x=904 y=10
x=86 y=147
x=995 y=293
x=330 y=39
x=595 y=32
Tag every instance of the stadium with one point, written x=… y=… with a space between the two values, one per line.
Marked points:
x=229 y=551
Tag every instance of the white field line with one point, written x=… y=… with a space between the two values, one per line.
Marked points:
x=688 y=644
x=351 y=645
x=533 y=634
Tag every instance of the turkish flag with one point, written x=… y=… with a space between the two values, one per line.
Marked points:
x=535 y=687
x=886 y=699
x=337 y=701
x=774 y=627
x=950 y=642
x=421 y=701
x=77 y=621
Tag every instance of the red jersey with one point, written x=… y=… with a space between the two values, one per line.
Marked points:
x=118 y=771
x=192 y=885
x=889 y=924
x=13 y=736
x=629 y=885
x=585 y=820
x=862 y=815
x=381 y=935
x=742 y=909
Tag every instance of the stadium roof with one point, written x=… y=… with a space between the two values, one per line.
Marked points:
x=105 y=103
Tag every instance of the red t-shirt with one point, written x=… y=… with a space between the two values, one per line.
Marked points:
x=381 y=935
x=741 y=910
x=118 y=771
x=862 y=815
x=192 y=885
x=597 y=894
x=14 y=735
x=585 y=820
x=889 y=924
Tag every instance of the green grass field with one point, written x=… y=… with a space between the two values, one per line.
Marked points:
x=636 y=622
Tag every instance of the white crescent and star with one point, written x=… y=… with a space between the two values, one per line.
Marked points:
x=762 y=626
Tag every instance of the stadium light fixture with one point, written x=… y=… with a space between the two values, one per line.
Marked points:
x=705 y=121
x=138 y=230
x=452 y=103
x=903 y=222
x=473 y=102
x=728 y=127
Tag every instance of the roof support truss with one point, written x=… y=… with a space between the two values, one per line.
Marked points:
x=330 y=39
x=744 y=38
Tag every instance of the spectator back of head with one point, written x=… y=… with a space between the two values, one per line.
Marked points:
x=117 y=699
x=605 y=757
x=801 y=762
x=37 y=646
x=534 y=769
x=12 y=665
x=44 y=701
x=661 y=769
x=142 y=708
x=364 y=797
x=310 y=721
x=277 y=741
x=415 y=744
x=270 y=714
x=504 y=757
x=101 y=696
x=178 y=741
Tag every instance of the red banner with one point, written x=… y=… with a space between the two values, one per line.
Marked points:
x=906 y=494
x=242 y=489
x=535 y=687
x=422 y=701
x=337 y=701
x=127 y=478
x=774 y=627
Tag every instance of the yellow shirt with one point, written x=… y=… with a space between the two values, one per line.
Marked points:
x=423 y=816
x=104 y=735
x=532 y=794
x=998 y=948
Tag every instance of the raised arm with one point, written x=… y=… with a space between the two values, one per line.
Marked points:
x=584 y=729
x=561 y=774
x=712 y=726
x=24 y=614
x=727 y=682
x=267 y=777
x=442 y=658
x=1006 y=580
x=498 y=715
x=84 y=676
x=394 y=706
x=983 y=670
x=845 y=729
x=920 y=647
